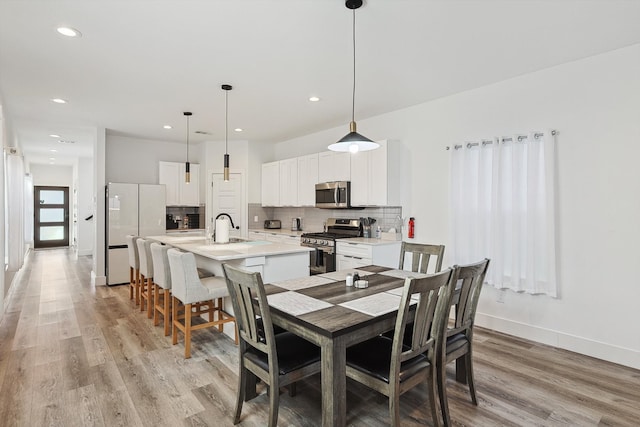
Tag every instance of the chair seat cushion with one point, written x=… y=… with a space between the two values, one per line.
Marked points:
x=456 y=342
x=217 y=286
x=373 y=357
x=293 y=353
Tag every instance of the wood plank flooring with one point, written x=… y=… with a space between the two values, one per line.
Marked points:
x=76 y=355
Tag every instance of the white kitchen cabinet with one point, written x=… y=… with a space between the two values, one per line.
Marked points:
x=288 y=169
x=180 y=193
x=271 y=184
x=354 y=253
x=257 y=235
x=375 y=177
x=307 y=179
x=334 y=166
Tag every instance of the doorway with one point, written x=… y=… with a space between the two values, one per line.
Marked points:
x=51 y=217
x=230 y=197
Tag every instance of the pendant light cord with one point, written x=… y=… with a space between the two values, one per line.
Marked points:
x=353 y=93
x=226 y=121
x=187 y=139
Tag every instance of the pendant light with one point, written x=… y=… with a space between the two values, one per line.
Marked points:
x=353 y=141
x=187 y=172
x=226 y=89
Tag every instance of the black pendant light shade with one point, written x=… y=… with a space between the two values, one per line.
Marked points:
x=187 y=168
x=226 y=89
x=353 y=141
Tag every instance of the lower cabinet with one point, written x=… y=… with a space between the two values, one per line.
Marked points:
x=363 y=253
x=275 y=237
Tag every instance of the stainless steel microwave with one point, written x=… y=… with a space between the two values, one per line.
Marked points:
x=333 y=195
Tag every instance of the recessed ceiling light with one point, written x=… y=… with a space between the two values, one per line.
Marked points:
x=53 y=150
x=52 y=158
x=69 y=32
x=314 y=99
x=59 y=100
x=66 y=141
x=238 y=129
x=167 y=127
x=53 y=135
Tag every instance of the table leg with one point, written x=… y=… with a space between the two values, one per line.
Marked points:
x=334 y=383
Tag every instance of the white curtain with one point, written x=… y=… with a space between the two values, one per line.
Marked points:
x=502 y=204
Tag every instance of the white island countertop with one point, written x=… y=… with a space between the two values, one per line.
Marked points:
x=229 y=251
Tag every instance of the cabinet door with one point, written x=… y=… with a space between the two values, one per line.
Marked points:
x=288 y=182
x=271 y=184
x=378 y=176
x=344 y=262
x=334 y=166
x=360 y=178
x=168 y=175
x=307 y=179
x=190 y=192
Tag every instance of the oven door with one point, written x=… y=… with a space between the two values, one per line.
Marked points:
x=322 y=261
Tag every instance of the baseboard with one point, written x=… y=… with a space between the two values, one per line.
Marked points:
x=611 y=353
x=84 y=252
x=98 y=280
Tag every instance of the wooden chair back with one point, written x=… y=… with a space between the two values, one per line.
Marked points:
x=421 y=256
x=470 y=279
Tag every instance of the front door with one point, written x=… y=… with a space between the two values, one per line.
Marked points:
x=51 y=217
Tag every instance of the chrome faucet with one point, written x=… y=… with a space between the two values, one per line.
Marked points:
x=230 y=219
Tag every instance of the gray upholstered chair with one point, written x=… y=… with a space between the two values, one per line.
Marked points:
x=459 y=343
x=393 y=366
x=134 y=268
x=193 y=296
x=421 y=255
x=146 y=276
x=277 y=359
x=162 y=286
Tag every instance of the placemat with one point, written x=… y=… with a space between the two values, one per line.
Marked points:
x=295 y=303
x=303 y=282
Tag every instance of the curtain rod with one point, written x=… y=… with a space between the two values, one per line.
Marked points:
x=490 y=141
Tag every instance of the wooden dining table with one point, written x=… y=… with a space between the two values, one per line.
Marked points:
x=323 y=310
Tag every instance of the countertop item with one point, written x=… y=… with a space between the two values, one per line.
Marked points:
x=272 y=224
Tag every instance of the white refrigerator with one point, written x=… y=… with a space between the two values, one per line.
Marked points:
x=138 y=209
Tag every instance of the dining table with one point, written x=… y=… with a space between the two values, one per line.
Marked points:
x=334 y=316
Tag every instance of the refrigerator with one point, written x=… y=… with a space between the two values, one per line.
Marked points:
x=138 y=209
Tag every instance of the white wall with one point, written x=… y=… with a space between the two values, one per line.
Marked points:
x=594 y=104
x=52 y=175
x=85 y=206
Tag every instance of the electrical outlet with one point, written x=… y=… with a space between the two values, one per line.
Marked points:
x=501 y=294
x=255 y=218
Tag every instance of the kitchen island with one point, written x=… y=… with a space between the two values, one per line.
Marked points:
x=275 y=261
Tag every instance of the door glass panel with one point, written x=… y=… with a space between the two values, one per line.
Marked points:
x=51 y=197
x=52 y=233
x=51 y=215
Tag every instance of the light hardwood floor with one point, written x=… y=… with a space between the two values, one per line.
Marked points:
x=75 y=355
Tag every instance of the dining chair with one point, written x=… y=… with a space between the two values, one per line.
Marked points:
x=146 y=275
x=134 y=268
x=421 y=256
x=276 y=359
x=162 y=286
x=459 y=338
x=192 y=296
x=394 y=366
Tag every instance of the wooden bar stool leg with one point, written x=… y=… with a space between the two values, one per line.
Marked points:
x=174 y=333
x=137 y=286
x=187 y=331
x=167 y=311
x=150 y=297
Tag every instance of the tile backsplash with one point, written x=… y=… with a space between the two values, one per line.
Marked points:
x=313 y=219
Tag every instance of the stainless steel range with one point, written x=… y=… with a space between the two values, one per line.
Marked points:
x=323 y=259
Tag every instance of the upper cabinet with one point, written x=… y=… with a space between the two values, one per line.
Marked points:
x=180 y=193
x=375 y=177
x=288 y=182
x=307 y=179
x=334 y=166
x=271 y=184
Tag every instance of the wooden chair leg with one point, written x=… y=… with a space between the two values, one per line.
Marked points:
x=187 y=331
x=150 y=297
x=433 y=391
x=167 y=310
x=156 y=305
x=274 y=401
x=137 y=286
x=472 y=386
x=143 y=291
x=174 y=333
x=242 y=383
x=442 y=392
x=220 y=308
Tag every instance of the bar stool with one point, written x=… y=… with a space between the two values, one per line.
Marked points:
x=146 y=276
x=134 y=268
x=162 y=286
x=194 y=296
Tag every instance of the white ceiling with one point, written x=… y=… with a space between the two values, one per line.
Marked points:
x=141 y=63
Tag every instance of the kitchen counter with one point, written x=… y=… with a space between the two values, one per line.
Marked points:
x=275 y=261
x=369 y=241
x=283 y=231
